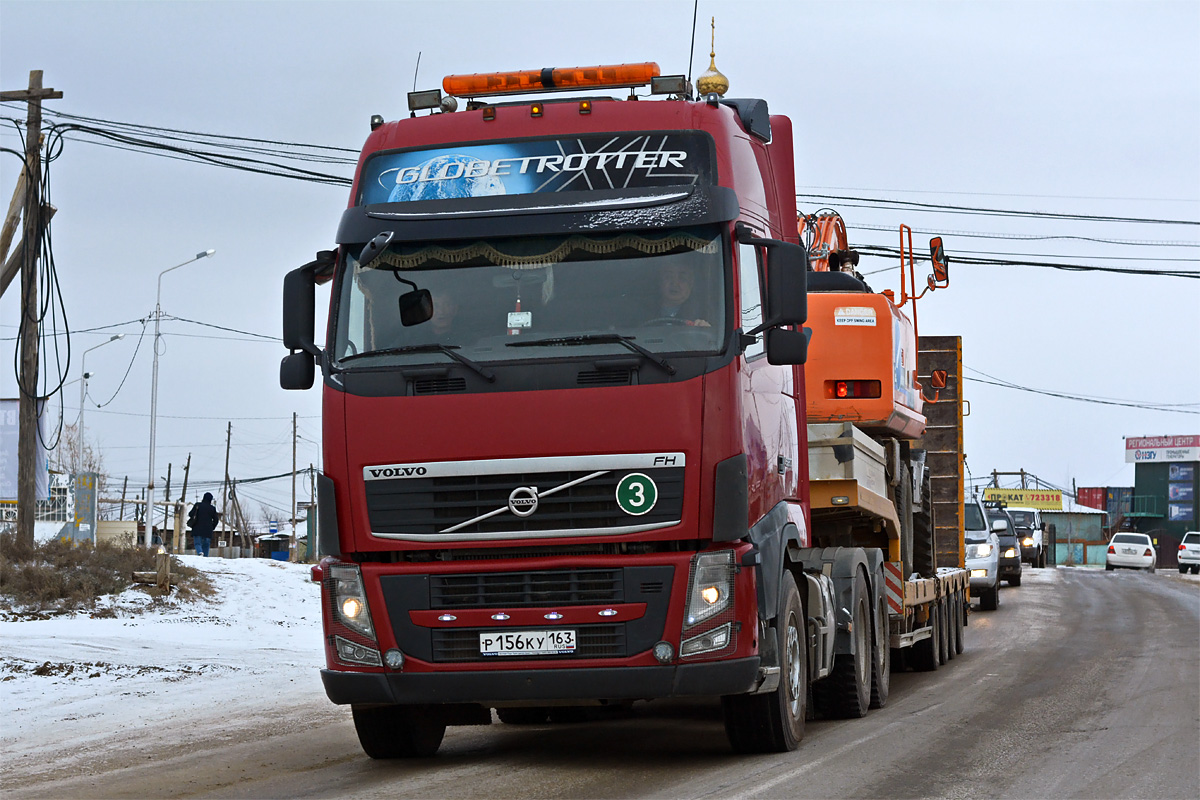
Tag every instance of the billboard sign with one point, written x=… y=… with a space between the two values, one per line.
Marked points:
x=10 y=428
x=1043 y=499
x=1161 y=449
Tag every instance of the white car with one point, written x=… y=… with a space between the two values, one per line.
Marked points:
x=982 y=555
x=1030 y=529
x=1189 y=552
x=1131 y=551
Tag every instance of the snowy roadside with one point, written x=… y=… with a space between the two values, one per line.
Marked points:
x=75 y=687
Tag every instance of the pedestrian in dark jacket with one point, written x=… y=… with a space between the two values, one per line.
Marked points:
x=203 y=521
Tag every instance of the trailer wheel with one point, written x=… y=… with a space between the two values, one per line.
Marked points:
x=398 y=731
x=881 y=655
x=846 y=693
x=774 y=723
x=960 y=622
x=925 y=653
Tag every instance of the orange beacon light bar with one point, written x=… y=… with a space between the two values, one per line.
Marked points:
x=615 y=76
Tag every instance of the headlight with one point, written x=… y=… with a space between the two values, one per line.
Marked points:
x=711 y=591
x=979 y=550
x=1027 y=541
x=349 y=599
x=1010 y=552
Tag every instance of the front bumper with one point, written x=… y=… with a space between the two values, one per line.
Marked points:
x=709 y=679
x=1010 y=566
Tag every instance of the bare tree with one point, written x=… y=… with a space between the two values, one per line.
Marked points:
x=74 y=460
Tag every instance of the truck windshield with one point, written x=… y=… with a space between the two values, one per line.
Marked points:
x=665 y=289
x=1024 y=519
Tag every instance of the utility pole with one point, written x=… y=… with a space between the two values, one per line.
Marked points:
x=225 y=484
x=167 y=497
x=187 y=468
x=124 y=486
x=1023 y=486
x=293 y=542
x=27 y=380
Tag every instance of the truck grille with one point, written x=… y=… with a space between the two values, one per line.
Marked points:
x=524 y=589
x=540 y=589
x=426 y=507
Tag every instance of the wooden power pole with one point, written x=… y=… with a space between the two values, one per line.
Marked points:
x=293 y=541
x=181 y=540
x=225 y=484
x=27 y=380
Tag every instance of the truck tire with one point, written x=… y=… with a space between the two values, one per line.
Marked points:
x=960 y=622
x=846 y=693
x=774 y=723
x=925 y=656
x=989 y=599
x=881 y=655
x=523 y=716
x=398 y=731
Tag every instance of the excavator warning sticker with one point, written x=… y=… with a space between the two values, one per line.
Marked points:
x=854 y=315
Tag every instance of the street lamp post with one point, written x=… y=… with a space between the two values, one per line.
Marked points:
x=149 y=516
x=83 y=379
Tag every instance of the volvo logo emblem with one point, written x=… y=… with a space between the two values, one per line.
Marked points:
x=523 y=500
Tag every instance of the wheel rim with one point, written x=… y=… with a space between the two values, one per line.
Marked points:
x=793 y=663
x=862 y=644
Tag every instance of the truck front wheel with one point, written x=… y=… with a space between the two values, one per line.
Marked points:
x=399 y=731
x=774 y=723
x=846 y=693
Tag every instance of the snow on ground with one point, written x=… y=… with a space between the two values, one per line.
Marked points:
x=75 y=685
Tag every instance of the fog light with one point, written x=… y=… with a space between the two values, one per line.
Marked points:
x=394 y=659
x=664 y=653
x=353 y=653
x=979 y=573
x=716 y=639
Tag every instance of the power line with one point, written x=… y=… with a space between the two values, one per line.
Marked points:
x=912 y=205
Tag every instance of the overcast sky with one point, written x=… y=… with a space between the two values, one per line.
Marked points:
x=1068 y=107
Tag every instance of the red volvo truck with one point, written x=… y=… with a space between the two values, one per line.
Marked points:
x=566 y=455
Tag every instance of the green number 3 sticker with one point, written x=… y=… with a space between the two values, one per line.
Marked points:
x=636 y=494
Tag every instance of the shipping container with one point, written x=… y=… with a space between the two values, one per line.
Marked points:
x=1092 y=497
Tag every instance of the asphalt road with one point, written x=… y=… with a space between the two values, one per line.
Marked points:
x=1083 y=684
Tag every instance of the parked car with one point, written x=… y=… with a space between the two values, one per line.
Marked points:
x=1131 y=551
x=983 y=555
x=1189 y=552
x=1030 y=532
x=1010 y=549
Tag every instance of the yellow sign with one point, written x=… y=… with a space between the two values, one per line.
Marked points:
x=1044 y=499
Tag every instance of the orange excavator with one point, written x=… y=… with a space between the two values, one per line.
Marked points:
x=862 y=367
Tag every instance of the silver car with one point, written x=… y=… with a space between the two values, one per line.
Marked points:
x=982 y=556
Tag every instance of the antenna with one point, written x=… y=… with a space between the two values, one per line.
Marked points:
x=416 y=70
x=692 y=52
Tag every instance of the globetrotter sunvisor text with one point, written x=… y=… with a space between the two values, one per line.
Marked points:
x=531 y=166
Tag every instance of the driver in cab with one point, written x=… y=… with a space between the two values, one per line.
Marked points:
x=677 y=300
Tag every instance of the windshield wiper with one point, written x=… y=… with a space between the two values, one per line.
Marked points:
x=598 y=338
x=483 y=371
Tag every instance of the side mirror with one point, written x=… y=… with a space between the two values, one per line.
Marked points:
x=787 y=284
x=297 y=371
x=787 y=280
x=416 y=307
x=999 y=525
x=787 y=346
x=941 y=264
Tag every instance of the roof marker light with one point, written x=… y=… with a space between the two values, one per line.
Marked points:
x=489 y=113
x=613 y=76
x=535 y=110
x=585 y=106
